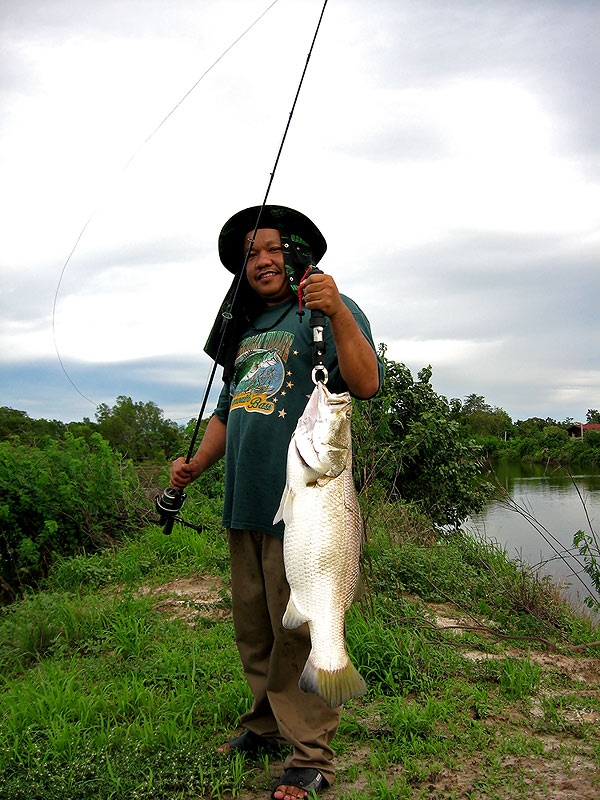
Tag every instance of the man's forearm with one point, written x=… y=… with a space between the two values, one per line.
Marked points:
x=212 y=446
x=356 y=358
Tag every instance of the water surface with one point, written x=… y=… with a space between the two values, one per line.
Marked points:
x=542 y=510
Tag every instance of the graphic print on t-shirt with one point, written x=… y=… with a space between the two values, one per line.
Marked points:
x=259 y=371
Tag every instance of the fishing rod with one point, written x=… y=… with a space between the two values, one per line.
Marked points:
x=170 y=503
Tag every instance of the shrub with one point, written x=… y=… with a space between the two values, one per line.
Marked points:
x=408 y=446
x=63 y=497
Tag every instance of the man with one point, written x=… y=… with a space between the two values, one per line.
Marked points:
x=266 y=352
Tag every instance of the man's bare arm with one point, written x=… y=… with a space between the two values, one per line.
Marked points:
x=357 y=360
x=212 y=448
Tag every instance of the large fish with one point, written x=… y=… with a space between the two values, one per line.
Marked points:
x=322 y=542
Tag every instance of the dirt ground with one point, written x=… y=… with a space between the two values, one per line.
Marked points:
x=565 y=770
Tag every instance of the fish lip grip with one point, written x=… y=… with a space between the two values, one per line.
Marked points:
x=317 y=323
x=324 y=372
x=297 y=258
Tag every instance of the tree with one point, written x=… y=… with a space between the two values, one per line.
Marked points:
x=592 y=416
x=554 y=436
x=19 y=423
x=474 y=403
x=480 y=419
x=138 y=430
x=408 y=444
x=533 y=425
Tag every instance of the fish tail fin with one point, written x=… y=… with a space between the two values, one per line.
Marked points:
x=336 y=687
x=292 y=618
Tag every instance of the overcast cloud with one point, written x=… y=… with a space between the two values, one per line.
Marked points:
x=448 y=151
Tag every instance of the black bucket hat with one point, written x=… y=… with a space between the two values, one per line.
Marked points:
x=286 y=220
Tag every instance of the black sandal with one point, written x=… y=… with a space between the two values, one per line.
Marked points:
x=250 y=742
x=305 y=778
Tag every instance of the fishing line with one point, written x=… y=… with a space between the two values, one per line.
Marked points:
x=170 y=503
x=127 y=164
x=241 y=273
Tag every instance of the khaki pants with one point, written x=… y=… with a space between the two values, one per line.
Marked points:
x=273 y=657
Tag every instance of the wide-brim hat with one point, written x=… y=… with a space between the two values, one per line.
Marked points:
x=282 y=218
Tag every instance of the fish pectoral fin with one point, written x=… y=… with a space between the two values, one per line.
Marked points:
x=284 y=512
x=323 y=481
x=359 y=590
x=292 y=618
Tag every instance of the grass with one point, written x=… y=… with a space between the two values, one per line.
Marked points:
x=110 y=694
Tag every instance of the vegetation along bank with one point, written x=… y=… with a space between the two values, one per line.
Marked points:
x=120 y=676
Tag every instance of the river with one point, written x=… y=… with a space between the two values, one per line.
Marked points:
x=549 y=497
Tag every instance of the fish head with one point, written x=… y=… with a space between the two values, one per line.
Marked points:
x=323 y=435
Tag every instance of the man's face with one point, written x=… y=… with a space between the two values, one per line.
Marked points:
x=265 y=268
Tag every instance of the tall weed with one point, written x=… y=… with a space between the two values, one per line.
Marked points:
x=129 y=709
x=394 y=658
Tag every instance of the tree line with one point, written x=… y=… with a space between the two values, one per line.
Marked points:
x=80 y=486
x=139 y=431
x=533 y=440
x=136 y=430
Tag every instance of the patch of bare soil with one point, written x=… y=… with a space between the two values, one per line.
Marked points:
x=564 y=768
x=199 y=596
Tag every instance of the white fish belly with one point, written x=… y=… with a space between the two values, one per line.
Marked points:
x=321 y=552
x=322 y=543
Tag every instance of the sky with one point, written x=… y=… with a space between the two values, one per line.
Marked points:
x=449 y=152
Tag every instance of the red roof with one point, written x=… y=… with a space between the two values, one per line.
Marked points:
x=591 y=426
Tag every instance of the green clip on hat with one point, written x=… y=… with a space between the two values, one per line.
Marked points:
x=293 y=223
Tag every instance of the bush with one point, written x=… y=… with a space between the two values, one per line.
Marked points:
x=63 y=498
x=589 y=448
x=409 y=446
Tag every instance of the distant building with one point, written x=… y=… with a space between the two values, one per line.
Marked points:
x=577 y=431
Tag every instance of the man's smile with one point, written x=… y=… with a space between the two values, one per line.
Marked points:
x=267 y=273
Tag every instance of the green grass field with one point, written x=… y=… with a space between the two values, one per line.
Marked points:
x=121 y=677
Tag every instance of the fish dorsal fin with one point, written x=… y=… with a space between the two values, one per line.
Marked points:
x=359 y=589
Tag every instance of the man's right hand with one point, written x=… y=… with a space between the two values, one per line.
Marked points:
x=212 y=448
x=182 y=473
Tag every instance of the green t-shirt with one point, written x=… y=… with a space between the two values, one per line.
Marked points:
x=268 y=393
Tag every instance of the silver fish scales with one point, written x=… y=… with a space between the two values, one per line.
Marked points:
x=322 y=542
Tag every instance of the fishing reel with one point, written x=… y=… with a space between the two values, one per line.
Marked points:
x=169 y=505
